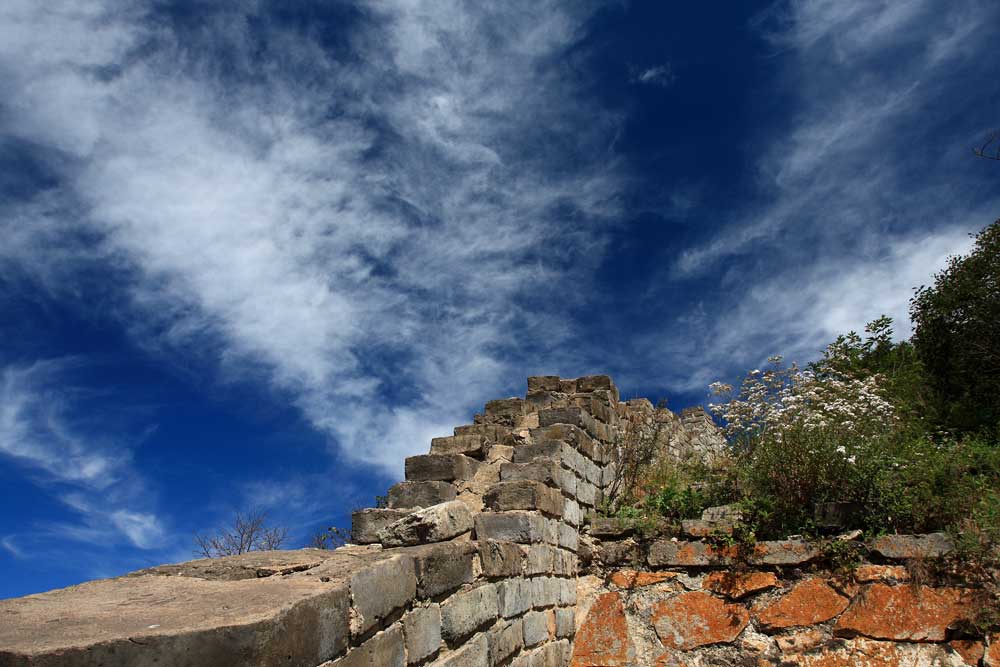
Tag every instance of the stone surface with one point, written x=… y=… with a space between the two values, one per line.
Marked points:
x=440 y=467
x=631 y=579
x=565 y=622
x=206 y=612
x=808 y=602
x=701 y=528
x=992 y=657
x=422 y=627
x=609 y=528
x=801 y=641
x=931 y=545
x=906 y=613
x=465 y=612
x=475 y=653
x=690 y=620
x=366 y=524
x=784 y=552
x=514 y=596
x=618 y=553
x=524 y=495
x=380 y=589
x=470 y=444
x=736 y=585
x=603 y=639
x=501 y=559
x=521 y=527
x=420 y=494
x=971 y=650
x=443 y=567
x=504 y=640
x=670 y=553
x=431 y=524
x=536 y=627
x=385 y=648
x=866 y=574
x=867 y=653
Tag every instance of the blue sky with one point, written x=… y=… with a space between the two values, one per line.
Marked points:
x=256 y=253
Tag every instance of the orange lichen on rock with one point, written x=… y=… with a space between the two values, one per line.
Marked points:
x=906 y=613
x=739 y=584
x=868 y=653
x=971 y=650
x=630 y=579
x=603 y=639
x=866 y=574
x=810 y=601
x=690 y=620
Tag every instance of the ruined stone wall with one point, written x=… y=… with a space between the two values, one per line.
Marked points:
x=491 y=554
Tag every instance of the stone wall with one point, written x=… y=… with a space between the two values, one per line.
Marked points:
x=490 y=554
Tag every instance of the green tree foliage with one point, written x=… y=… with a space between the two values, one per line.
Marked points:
x=957 y=335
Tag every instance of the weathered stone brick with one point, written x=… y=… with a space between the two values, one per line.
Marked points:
x=784 y=552
x=552 y=532
x=603 y=638
x=574 y=416
x=542 y=450
x=440 y=467
x=865 y=574
x=690 y=620
x=519 y=526
x=409 y=495
x=699 y=528
x=544 y=383
x=565 y=622
x=668 y=553
x=474 y=653
x=567 y=591
x=632 y=579
x=572 y=514
x=366 y=523
x=622 y=553
x=524 y=495
x=470 y=444
x=586 y=493
x=801 y=641
x=736 y=585
x=540 y=559
x=502 y=559
x=506 y=410
x=932 y=545
x=545 y=591
x=568 y=537
x=609 y=528
x=540 y=470
x=504 y=640
x=430 y=524
x=536 y=628
x=467 y=611
x=422 y=627
x=514 y=596
x=443 y=567
x=385 y=648
x=867 y=653
x=809 y=602
x=380 y=589
x=906 y=613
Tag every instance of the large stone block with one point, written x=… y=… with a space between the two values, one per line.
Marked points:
x=668 y=553
x=539 y=470
x=574 y=416
x=736 y=585
x=546 y=591
x=572 y=514
x=470 y=444
x=440 y=467
x=609 y=528
x=443 y=567
x=514 y=596
x=544 y=383
x=518 y=526
x=409 y=495
x=540 y=559
x=565 y=622
x=932 y=545
x=423 y=633
x=784 y=552
x=506 y=410
x=603 y=638
x=690 y=620
x=568 y=537
x=431 y=524
x=467 y=611
x=367 y=523
x=379 y=590
x=536 y=628
x=907 y=613
x=501 y=559
x=809 y=602
x=385 y=648
x=474 y=653
x=504 y=640
x=524 y=495
x=553 y=451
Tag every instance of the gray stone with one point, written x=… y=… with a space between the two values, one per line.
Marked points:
x=504 y=640
x=443 y=567
x=465 y=612
x=440 y=467
x=931 y=545
x=544 y=383
x=701 y=528
x=514 y=596
x=567 y=591
x=385 y=648
x=586 y=493
x=501 y=559
x=546 y=591
x=519 y=526
x=540 y=559
x=618 y=553
x=366 y=523
x=730 y=513
x=542 y=450
x=565 y=623
x=423 y=633
x=572 y=514
x=420 y=494
x=380 y=589
x=431 y=524
x=557 y=654
x=568 y=537
x=536 y=627
x=671 y=553
x=784 y=552
x=506 y=410
x=474 y=653
x=573 y=416
x=470 y=444
x=590 y=383
x=552 y=532
x=524 y=495
x=539 y=470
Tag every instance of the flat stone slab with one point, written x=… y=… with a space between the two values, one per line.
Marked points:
x=263 y=608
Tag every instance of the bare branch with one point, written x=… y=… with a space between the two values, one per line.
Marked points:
x=249 y=532
x=985 y=151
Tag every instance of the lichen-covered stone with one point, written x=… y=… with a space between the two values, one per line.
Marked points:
x=906 y=613
x=631 y=579
x=603 y=638
x=736 y=585
x=866 y=574
x=690 y=620
x=931 y=545
x=670 y=553
x=867 y=653
x=809 y=602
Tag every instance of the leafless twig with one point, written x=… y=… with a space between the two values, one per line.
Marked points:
x=248 y=532
x=985 y=151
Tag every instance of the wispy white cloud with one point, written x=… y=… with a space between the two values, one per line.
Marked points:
x=346 y=229
x=659 y=75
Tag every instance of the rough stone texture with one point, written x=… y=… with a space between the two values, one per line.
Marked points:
x=618 y=553
x=206 y=612
x=801 y=641
x=431 y=524
x=420 y=494
x=866 y=574
x=366 y=524
x=603 y=639
x=905 y=613
x=702 y=528
x=931 y=545
x=422 y=627
x=736 y=585
x=631 y=579
x=609 y=528
x=379 y=590
x=524 y=495
x=521 y=527
x=475 y=653
x=463 y=613
x=443 y=567
x=670 y=553
x=972 y=651
x=504 y=640
x=565 y=622
x=440 y=467
x=514 y=597
x=867 y=653
x=385 y=648
x=992 y=657
x=536 y=627
x=784 y=552
x=470 y=444
x=501 y=559
x=695 y=619
x=809 y=602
